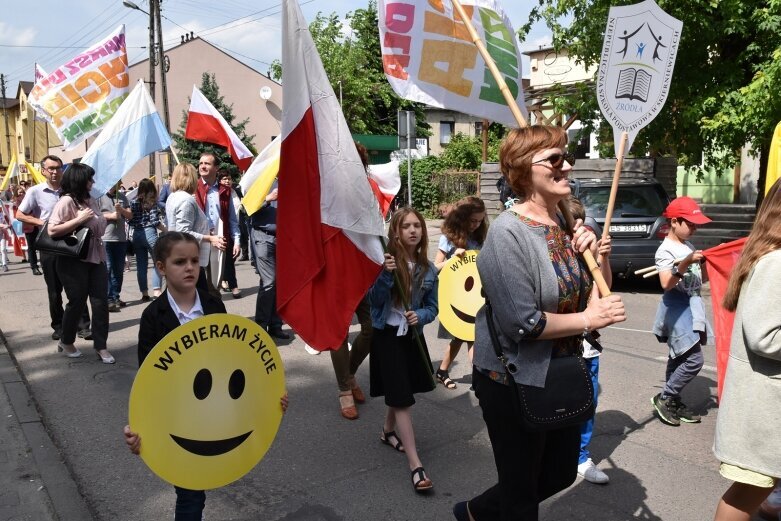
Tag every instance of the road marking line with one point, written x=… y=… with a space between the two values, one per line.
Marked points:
x=704 y=367
x=630 y=329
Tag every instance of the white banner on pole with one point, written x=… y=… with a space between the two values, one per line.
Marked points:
x=429 y=57
x=638 y=56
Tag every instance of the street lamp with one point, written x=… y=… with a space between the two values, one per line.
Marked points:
x=131 y=5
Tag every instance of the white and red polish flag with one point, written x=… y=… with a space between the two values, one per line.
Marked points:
x=385 y=181
x=205 y=123
x=328 y=220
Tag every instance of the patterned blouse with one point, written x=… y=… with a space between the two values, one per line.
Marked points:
x=143 y=218
x=574 y=279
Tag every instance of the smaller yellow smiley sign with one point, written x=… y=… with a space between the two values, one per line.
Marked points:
x=206 y=401
x=460 y=295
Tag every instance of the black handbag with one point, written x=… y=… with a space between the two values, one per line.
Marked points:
x=567 y=398
x=75 y=244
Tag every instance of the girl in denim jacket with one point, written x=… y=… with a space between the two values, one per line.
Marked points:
x=397 y=368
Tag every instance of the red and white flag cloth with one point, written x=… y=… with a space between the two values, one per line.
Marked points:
x=205 y=124
x=386 y=183
x=721 y=259
x=328 y=220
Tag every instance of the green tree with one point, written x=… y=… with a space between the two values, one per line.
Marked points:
x=724 y=88
x=190 y=151
x=354 y=64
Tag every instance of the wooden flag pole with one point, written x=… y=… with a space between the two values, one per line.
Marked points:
x=611 y=203
x=593 y=267
x=508 y=97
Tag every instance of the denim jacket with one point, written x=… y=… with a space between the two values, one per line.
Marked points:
x=423 y=301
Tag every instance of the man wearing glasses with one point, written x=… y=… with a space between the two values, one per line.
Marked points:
x=34 y=209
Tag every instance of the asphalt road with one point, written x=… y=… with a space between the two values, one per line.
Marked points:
x=322 y=467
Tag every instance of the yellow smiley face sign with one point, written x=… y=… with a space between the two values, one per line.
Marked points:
x=205 y=402
x=460 y=295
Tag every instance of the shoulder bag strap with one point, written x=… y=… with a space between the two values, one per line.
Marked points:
x=489 y=318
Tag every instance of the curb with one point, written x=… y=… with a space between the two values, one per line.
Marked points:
x=63 y=493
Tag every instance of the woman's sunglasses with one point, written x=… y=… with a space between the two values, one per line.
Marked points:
x=556 y=160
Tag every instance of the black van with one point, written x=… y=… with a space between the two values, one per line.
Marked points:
x=637 y=226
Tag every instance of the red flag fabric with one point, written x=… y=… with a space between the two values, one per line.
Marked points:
x=721 y=259
x=328 y=220
x=205 y=123
x=385 y=181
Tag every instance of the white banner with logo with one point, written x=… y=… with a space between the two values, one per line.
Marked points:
x=638 y=56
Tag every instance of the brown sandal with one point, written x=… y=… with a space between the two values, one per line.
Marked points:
x=357 y=391
x=420 y=481
x=347 y=405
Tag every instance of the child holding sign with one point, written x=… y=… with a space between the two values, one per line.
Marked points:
x=465 y=228
x=176 y=257
x=397 y=367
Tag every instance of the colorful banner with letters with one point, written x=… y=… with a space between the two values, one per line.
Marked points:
x=80 y=96
x=429 y=57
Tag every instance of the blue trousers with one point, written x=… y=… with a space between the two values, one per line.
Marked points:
x=115 y=263
x=587 y=429
x=144 y=240
x=189 y=504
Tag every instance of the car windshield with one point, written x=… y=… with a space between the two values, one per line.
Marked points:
x=631 y=201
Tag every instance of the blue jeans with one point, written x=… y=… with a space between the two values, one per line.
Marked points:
x=115 y=263
x=144 y=240
x=592 y=364
x=189 y=504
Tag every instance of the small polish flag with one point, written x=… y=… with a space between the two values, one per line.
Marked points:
x=205 y=124
x=386 y=183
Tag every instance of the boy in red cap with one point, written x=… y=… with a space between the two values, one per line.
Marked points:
x=680 y=318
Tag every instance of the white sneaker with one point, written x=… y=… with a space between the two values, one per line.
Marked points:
x=588 y=471
x=310 y=350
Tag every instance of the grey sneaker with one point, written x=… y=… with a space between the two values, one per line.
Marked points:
x=685 y=414
x=666 y=411
x=588 y=471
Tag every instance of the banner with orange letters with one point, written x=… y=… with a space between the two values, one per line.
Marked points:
x=80 y=96
x=429 y=57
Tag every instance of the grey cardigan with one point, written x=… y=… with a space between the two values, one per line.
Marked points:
x=518 y=278
x=749 y=422
x=184 y=215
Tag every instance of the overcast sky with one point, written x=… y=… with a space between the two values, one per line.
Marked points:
x=52 y=31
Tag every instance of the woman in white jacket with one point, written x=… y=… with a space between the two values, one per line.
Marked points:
x=184 y=215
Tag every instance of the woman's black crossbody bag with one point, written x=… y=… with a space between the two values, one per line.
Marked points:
x=567 y=398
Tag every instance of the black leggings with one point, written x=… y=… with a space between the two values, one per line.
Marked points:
x=532 y=466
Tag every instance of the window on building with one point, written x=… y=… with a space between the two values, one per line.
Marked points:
x=478 y=128
x=582 y=143
x=446 y=129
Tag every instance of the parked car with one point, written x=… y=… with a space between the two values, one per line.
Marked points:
x=637 y=226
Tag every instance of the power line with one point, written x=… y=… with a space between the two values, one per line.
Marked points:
x=56 y=46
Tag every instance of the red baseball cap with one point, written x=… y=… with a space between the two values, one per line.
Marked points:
x=686 y=208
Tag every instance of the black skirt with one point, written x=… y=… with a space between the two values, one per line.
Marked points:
x=396 y=369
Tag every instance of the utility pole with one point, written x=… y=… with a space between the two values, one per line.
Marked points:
x=5 y=117
x=152 y=172
x=163 y=84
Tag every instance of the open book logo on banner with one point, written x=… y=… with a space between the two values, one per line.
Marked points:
x=638 y=56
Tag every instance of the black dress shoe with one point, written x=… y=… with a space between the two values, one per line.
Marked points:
x=36 y=271
x=277 y=332
x=56 y=334
x=86 y=334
